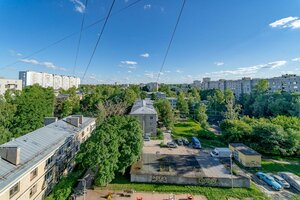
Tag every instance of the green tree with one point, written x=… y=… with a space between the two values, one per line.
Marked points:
x=232 y=110
x=32 y=105
x=182 y=104
x=236 y=131
x=200 y=114
x=165 y=113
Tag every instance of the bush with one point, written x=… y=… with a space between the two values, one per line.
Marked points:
x=205 y=134
x=162 y=145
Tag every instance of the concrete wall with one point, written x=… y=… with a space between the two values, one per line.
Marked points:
x=250 y=160
x=148 y=123
x=201 y=181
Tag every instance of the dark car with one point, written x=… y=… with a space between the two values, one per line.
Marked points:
x=185 y=142
x=179 y=142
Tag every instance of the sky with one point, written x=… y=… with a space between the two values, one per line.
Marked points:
x=227 y=39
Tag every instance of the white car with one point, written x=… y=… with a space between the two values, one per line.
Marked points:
x=281 y=181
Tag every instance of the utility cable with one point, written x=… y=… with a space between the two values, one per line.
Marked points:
x=171 y=40
x=79 y=40
x=99 y=37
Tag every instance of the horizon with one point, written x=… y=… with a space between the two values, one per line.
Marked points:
x=224 y=41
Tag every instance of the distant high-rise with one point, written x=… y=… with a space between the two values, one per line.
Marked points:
x=48 y=80
x=8 y=84
x=287 y=83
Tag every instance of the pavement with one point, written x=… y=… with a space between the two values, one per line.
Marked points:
x=121 y=195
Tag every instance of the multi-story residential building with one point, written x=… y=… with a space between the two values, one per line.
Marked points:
x=153 y=86
x=48 y=80
x=9 y=84
x=32 y=164
x=173 y=102
x=287 y=82
x=159 y=95
x=147 y=115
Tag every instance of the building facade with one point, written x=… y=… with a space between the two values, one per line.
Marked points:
x=144 y=111
x=32 y=164
x=287 y=82
x=9 y=84
x=245 y=155
x=48 y=80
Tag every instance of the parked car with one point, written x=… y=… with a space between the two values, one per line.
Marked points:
x=281 y=181
x=291 y=178
x=146 y=138
x=179 y=142
x=221 y=153
x=185 y=142
x=172 y=145
x=269 y=180
x=196 y=143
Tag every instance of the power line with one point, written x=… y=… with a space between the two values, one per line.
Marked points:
x=71 y=34
x=79 y=40
x=95 y=48
x=171 y=40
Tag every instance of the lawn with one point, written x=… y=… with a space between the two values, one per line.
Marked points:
x=189 y=128
x=274 y=167
x=121 y=183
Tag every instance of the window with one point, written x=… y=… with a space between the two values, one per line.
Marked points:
x=49 y=161
x=151 y=117
x=48 y=176
x=33 y=190
x=14 y=190
x=33 y=174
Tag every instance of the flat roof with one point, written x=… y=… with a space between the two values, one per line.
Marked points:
x=35 y=147
x=244 y=149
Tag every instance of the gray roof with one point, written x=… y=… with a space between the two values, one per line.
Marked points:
x=35 y=147
x=143 y=107
x=244 y=149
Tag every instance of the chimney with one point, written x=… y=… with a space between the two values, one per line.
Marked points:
x=80 y=118
x=73 y=120
x=49 y=120
x=10 y=154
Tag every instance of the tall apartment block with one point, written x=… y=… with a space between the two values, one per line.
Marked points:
x=48 y=80
x=32 y=164
x=8 y=84
x=145 y=112
x=287 y=82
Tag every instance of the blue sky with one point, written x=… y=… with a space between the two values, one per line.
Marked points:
x=215 y=38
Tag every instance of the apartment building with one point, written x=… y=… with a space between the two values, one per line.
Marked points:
x=144 y=111
x=48 y=80
x=159 y=95
x=32 y=164
x=9 y=84
x=287 y=82
x=172 y=101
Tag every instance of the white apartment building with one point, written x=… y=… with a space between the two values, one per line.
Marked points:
x=32 y=164
x=287 y=82
x=48 y=80
x=9 y=84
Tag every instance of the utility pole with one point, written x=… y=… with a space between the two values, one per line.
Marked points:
x=231 y=169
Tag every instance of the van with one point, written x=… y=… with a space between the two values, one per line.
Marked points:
x=221 y=153
x=196 y=143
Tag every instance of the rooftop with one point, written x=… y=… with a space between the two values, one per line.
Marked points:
x=244 y=149
x=143 y=107
x=35 y=147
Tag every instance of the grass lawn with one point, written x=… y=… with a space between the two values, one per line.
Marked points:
x=189 y=128
x=121 y=183
x=274 y=167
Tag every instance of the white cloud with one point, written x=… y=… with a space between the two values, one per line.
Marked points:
x=14 y=53
x=129 y=71
x=145 y=55
x=288 y=22
x=248 y=70
x=147 y=6
x=178 y=71
x=219 y=63
x=79 y=6
x=128 y=62
x=152 y=75
x=46 y=64
x=296 y=59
